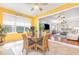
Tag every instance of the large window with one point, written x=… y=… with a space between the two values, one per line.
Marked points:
x=13 y=23
x=19 y=29
x=27 y=29
x=8 y=28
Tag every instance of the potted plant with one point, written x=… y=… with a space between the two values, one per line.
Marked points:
x=2 y=35
x=41 y=27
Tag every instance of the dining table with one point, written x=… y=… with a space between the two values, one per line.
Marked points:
x=35 y=39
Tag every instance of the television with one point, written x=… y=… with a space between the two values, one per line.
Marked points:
x=46 y=26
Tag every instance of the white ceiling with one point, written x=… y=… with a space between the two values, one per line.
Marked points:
x=26 y=8
x=68 y=14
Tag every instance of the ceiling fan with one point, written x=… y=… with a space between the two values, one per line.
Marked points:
x=37 y=6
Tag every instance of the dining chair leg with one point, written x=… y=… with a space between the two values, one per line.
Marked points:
x=48 y=48
x=35 y=47
x=22 y=50
x=27 y=51
x=44 y=52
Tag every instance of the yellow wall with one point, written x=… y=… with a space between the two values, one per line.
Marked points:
x=1 y=18
x=9 y=37
x=14 y=36
x=35 y=22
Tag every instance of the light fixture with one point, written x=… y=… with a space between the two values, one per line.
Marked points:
x=38 y=6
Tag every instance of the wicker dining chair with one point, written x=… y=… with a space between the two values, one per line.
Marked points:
x=28 y=44
x=43 y=43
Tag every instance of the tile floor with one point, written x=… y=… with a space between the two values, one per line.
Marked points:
x=55 y=49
